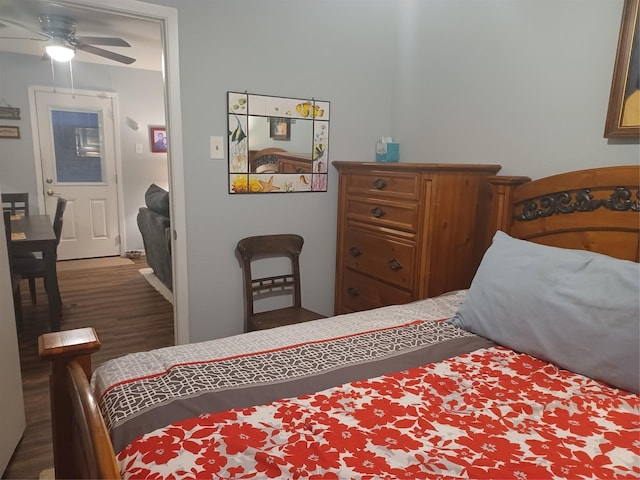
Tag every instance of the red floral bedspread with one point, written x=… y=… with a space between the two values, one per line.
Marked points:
x=489 y=414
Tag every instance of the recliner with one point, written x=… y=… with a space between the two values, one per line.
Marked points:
x=155 y=227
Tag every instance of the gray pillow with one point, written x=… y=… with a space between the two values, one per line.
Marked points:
x=579 y=310
x=157 y=199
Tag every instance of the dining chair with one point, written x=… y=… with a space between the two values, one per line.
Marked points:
x=16 y=203
x=15 y=278
x=272 y=246
x=31 y=268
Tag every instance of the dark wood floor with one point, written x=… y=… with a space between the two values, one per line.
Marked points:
x=128 y=315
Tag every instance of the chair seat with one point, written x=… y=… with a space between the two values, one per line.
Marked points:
x=283 y=316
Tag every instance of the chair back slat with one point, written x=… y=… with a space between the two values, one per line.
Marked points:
x=16 y=203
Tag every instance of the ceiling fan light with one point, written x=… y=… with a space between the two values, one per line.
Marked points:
x=59 y=51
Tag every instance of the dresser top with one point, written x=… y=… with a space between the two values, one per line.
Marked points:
x=416 y=167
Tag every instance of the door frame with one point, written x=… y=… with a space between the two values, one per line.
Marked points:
x=167 y=17
x=32 y=89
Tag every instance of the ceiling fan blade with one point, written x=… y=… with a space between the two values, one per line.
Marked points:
x=105 y=53
x=110 y=41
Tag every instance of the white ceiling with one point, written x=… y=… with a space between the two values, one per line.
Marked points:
x=143 y=35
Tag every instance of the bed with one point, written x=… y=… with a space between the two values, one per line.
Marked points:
x=531 y=372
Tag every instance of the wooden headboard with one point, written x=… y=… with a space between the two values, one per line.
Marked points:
x=596 y=209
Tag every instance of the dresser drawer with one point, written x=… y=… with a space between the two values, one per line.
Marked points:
x=388 y=213
x=360 y=292
x=382 y=256
x=401 y=185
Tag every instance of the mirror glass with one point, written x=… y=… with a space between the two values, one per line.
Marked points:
x=88 y=142
x=277 y=144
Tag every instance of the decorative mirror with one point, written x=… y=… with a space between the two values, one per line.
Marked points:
x=277 y=144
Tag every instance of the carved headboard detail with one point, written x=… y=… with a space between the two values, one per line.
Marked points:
x=606 y=203
x=556 y=203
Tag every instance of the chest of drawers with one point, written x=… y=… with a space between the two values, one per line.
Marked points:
x=408 y=231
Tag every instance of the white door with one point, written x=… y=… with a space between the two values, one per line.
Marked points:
x=76 y=136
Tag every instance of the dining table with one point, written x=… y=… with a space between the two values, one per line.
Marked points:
x=34 y=233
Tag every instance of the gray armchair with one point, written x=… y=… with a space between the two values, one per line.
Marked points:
x=155 y=226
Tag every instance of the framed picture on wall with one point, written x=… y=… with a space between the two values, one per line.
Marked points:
x=9 y=131
x=158 y=137
x=623 y=115
x=280 y=128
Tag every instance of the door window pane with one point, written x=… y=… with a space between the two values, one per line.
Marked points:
x=78 y=146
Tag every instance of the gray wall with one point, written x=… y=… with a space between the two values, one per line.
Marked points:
x=140 y=98
x=521 y=83
x=328 y=50
x=524 y=84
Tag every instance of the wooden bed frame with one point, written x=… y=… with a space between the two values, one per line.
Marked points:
x=596 y=209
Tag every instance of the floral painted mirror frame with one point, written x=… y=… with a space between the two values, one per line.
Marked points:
x=277 y=144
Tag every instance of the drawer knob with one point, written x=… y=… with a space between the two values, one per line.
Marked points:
x=395 y=265
x=379 y=184
x=377 y=212
x=355 y=252
x=352 y=292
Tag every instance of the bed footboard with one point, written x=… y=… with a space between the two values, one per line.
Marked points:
x=81 y=444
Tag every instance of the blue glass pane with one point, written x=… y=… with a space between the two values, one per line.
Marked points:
x=75 y=162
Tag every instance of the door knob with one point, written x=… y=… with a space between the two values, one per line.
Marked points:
x=49 y=180
x=51 y=193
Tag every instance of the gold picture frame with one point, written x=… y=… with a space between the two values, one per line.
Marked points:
x=623 y=115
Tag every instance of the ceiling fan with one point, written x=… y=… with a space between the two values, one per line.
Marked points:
x=59 y=35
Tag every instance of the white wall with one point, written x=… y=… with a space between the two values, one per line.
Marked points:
x=140 y=98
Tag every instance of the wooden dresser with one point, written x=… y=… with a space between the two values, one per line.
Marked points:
x=408 y=231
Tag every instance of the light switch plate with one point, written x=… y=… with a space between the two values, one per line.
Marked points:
x=216 y=146
x=138 y=148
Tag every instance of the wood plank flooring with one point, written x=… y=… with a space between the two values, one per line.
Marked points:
x=128 y=314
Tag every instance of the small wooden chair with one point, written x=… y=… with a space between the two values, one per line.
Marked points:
x=16 y=203
x=288 y=245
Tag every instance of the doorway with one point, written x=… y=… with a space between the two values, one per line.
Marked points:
x=76 y=134
x=166 y=18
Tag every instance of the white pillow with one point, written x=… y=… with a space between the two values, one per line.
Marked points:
x=579 y=310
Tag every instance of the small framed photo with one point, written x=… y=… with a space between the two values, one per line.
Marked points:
x=9 y=131
x=280 y=128
x=158 y=137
